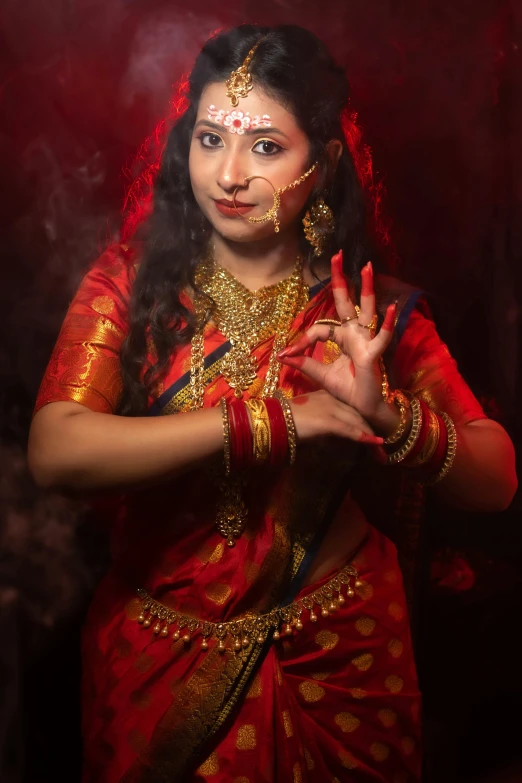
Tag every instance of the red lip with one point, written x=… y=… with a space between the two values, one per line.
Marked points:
x=226 y=208
x=228 y=203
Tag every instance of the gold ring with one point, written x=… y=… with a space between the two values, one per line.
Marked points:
x=349 y=318
x=332 y=323
x=327 y=322
x=371 y=326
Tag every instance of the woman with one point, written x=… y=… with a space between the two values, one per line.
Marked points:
x=253 y=624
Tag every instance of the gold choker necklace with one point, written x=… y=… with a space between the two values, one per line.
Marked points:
x=246 y=318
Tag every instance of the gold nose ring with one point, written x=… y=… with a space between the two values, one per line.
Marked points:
x=271 y=214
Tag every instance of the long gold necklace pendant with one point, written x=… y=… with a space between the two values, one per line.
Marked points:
x=232 y=512
x=239 y=368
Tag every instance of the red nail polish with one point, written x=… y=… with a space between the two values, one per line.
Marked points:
x=374 y=439
x=389 y=318
x=293 y=361
x=366 y=280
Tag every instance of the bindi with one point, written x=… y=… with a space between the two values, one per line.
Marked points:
x=238 y=121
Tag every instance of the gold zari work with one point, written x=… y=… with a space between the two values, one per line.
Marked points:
x=387 y=717
x=394 y=683
x=210 y=766
x=85 y=363
x=246 y=318
x=365 y=625
x=347 y=722
x=310 y=763
x=246 y=737
x=287 y=723
x=311 y=691
x=395 y=648
x=240 y=634
x=363 y=662
x=379 y=751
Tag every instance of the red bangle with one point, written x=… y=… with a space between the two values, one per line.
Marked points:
x=278 y=431
x=436 y=462
x=241 y=444
x=423 y=434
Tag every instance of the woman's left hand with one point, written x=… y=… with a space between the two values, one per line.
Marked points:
x=355 y=377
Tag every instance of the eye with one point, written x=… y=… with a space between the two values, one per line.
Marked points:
x=210 y=140
x=268 y=147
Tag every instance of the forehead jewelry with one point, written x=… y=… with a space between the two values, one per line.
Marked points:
x=271 y=214
x=238 y=121
x=240 y=82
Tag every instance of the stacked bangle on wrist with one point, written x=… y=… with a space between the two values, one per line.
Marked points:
x=431 y=443
x=449 y=452
x=241 y=440
x=402 y=402
x=417 y=418
x=279 y=433
x=257 y=432
x=290 y=426
x=261 y=433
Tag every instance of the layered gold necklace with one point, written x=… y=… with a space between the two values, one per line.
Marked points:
x=245 y=318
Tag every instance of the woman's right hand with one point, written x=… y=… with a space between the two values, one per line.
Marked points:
x=320 y=413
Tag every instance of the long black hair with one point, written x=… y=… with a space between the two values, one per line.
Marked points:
x=294 y=67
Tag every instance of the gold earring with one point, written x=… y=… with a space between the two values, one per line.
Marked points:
x=318 y=224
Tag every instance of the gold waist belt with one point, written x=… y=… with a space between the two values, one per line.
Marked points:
x=241 y=633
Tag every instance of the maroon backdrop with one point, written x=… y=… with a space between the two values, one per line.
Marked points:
x=438 y=90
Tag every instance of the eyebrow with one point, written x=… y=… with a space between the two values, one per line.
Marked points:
x=251 y=132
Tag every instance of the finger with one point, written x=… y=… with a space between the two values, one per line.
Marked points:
x=383 y=338
x=355 y=426
x=367 y=294
x=357 y=431
x=317 y=332
x=372 y=440
x=308 y=366
x=341 y=295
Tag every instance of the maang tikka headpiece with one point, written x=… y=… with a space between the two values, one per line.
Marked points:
x=238 y=86
x=240 y=82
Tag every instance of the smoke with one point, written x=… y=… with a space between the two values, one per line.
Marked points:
x=437 y=88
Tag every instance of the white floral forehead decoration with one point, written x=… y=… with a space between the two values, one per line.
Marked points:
x=238 y=121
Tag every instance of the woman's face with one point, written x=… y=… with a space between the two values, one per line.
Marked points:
x=220 y=159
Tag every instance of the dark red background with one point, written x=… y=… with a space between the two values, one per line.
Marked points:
x=438 y=89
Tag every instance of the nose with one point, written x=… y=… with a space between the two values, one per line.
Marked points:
x=231 y=173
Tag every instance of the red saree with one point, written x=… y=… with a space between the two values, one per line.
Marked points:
x=334 y=701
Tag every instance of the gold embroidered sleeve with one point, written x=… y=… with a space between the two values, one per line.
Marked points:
x=85 y=364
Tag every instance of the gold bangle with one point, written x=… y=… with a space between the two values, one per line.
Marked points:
x=401 y=401
x=261 y=434
x=290 y=426
x=450 y=451
x=226 y=435
x=432 y=440
x=397 y=456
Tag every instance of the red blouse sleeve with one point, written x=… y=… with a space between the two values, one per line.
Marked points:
x=85 y=366
x=423 y=365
